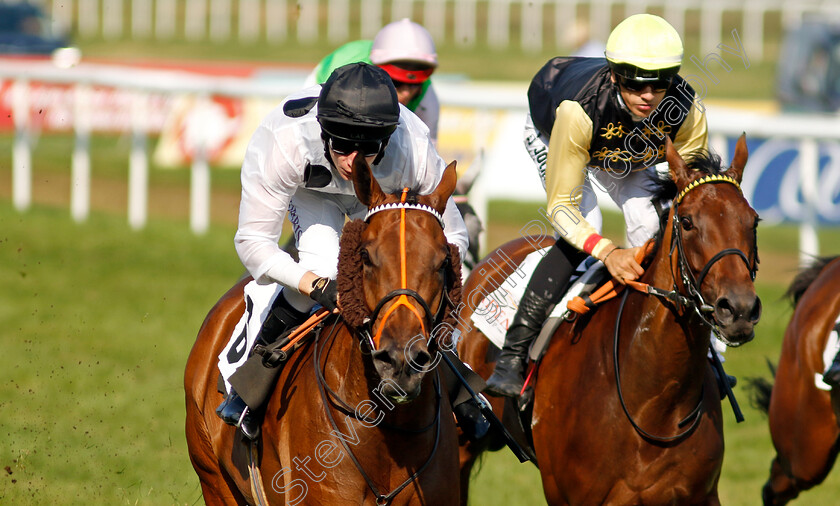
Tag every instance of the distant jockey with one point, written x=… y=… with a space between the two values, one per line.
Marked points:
x=406 y=51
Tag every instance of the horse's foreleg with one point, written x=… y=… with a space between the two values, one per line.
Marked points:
x=225 y=495
x=780 y=488
x=216 y=486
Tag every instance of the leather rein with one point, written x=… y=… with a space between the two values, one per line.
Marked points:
x=694 y=301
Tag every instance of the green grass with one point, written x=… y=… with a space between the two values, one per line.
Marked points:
x=98 y=323
x=99 y=320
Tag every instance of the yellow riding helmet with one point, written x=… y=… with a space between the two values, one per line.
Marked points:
x=644 y=47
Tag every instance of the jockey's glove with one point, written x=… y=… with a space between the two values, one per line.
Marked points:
x=325 y=293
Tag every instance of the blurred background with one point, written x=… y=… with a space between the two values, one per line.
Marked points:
x=122 y=127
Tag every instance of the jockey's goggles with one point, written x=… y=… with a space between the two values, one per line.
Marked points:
x=406 y=86
x=402 y=74
x=346 y=147
x=658 y=85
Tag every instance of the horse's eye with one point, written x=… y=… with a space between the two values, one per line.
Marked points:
x=686 y=223
x=443 y=265
x=365 y=257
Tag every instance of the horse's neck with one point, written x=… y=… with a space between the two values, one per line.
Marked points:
x=668 y=345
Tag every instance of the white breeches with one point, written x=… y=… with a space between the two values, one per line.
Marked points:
x=632 y=193
x=317 y=219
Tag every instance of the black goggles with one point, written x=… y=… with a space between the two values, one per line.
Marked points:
x=658 y=85
x=346 y=146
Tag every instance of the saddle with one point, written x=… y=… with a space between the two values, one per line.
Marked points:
x=263 y=372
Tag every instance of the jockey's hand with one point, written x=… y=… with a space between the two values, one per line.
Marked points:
x=325 y=292
x=622 y=264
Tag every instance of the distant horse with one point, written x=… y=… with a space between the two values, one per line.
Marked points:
x=355 y=418
x=803 y=418
x=626 y=407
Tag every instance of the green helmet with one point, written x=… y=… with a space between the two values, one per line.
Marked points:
x=644 y=47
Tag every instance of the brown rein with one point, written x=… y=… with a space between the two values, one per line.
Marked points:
x=610 y=289
x=327 y=393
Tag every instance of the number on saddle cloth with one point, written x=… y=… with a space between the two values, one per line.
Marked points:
x=243 y=342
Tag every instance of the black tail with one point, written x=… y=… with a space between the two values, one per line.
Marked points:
x=760 y=390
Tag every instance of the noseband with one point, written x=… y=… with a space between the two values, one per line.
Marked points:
x=427 y=321
x=691 y=283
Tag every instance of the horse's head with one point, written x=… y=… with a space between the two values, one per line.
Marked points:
x=398 y=277
x=714 y=235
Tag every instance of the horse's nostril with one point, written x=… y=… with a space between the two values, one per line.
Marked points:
x=383 y=356
x=723 y=309
x=421 y=359
x=755 y=314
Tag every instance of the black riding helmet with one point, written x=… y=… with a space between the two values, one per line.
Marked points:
x=358 y=106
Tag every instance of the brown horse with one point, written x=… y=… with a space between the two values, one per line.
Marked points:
x=803 y=418
x=626 y=408
x=355 y=417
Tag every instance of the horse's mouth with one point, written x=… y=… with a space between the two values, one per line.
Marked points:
x=401 y=399
x=402 y=395
x=735 y=340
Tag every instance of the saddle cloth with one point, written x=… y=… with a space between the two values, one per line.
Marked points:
x=832 y=346
x=494 y=313
x=258 y=301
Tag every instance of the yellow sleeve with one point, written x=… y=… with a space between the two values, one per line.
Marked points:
x=568 y=155
x=694 y=133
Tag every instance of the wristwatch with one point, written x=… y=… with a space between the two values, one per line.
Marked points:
x=320 y=284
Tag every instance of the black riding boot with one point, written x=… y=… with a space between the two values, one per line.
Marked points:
x=832 y=375
x=234 y=410
x=548 y=282
x=507 y=378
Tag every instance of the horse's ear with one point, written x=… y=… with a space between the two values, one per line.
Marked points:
x=367 y=188
x=676 y=164
x=739 y=161
x=440 y=196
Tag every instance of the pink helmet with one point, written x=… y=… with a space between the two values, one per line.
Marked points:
x=407 y=42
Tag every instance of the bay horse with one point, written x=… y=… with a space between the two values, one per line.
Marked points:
x=626 y=408
x=803 y=418
x=356 y=416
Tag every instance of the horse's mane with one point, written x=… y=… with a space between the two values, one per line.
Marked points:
x=702 y=161
x=805 y=277
x=350 y=275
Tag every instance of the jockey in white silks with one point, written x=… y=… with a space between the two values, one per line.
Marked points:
x=298 y=163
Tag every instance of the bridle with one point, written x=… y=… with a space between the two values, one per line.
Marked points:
x=429 y=319
x=427 y=322
x=692 y=285
x=694 y=300
x=331 y=397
